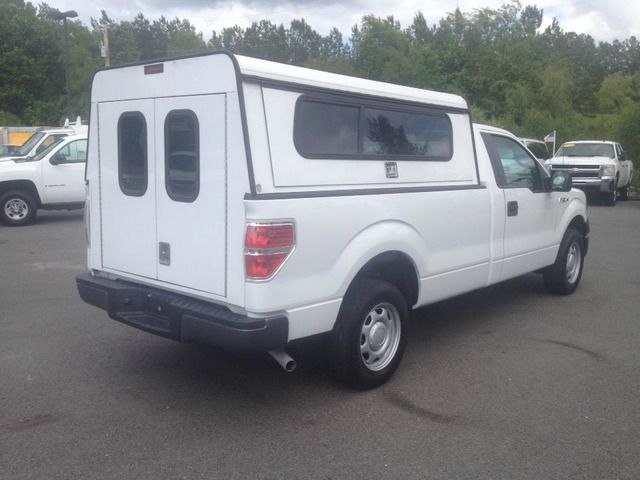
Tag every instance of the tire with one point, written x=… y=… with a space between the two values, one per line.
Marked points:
x=564 y=275
x=370 y=334
x=624 y=193
x=611 y=197
x=17 y=208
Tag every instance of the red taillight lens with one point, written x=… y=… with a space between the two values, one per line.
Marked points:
x=269 y=236
x=267 y=246
x=263 y=266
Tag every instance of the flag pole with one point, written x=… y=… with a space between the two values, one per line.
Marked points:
x=554 y=142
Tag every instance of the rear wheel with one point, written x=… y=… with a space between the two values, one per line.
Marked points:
x=564 y=275
x=17 y=208
x=370 y=335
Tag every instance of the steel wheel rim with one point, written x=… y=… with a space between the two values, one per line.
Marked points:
x=574 y=261
x=16 y=209
x=380 y=336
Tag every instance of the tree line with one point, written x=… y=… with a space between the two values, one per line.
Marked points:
x=513 y=73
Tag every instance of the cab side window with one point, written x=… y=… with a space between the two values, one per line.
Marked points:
x=513 y=165
x=74 y=152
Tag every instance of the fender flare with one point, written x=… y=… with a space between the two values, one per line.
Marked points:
x=378 y=239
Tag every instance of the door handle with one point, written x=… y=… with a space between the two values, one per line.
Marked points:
x=512 y=209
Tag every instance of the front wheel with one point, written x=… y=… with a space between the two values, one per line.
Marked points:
x=611 y=197
x=370 y=335
x=564 y=275
x=17 y=208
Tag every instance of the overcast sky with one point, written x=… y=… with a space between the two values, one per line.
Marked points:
x=603 y=19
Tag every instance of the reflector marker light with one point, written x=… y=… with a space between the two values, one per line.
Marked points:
x=152 y=69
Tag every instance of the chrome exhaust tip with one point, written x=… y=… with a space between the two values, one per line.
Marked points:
x=283 y=358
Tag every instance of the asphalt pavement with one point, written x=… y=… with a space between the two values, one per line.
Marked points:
x=508 y=382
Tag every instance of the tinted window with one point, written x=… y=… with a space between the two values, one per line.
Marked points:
x=182 y=155
x=539 y=150
x=514 y=167
x=388 y=132
x=132 y=153
x=74 y=152
x=323 y=128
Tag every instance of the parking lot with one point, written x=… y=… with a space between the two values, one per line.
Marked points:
x=504 y=383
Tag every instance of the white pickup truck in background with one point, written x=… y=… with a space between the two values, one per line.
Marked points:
x=248 y=204
x=44 y=138
x=51 y=179
x=596 y=166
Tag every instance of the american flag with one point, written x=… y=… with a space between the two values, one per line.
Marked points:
x=551 y=137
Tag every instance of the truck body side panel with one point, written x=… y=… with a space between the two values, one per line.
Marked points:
x=446 y=234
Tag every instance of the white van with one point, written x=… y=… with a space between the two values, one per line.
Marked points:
x=248 y=204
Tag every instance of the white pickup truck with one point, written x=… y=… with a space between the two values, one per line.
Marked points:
x=596 y=166
x=51 y=179
x=248 y=204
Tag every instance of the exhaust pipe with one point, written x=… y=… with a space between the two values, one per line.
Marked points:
x=283 y=358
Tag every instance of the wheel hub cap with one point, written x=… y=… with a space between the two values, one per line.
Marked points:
x=377 y=336
x=380 y=336
x=16 y=209
x=574 y=261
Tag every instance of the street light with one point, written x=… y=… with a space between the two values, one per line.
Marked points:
x=56 y=14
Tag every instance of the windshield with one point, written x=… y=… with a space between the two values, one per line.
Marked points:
x=586 y=150
x=29 y=144
x=43 y=153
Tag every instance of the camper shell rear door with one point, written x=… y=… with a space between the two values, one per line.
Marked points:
x=163 y=163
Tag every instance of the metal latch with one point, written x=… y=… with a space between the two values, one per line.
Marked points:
x=164 y=253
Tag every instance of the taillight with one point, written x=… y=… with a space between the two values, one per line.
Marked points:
x=266 y=247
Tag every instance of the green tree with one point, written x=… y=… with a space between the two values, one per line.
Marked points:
x=31 y=73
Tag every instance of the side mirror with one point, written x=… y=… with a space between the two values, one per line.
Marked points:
x=57 y=159
x=621 y=156
x=561 y=182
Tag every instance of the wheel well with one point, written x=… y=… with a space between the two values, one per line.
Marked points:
x=22 y=185
x=396 y=268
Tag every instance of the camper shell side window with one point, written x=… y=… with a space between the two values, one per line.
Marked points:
x=132 y=154
x=182 y=155
x=332 y=127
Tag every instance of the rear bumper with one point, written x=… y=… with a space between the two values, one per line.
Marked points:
x=182 y=318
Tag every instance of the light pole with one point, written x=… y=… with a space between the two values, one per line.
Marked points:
x=56 y=14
